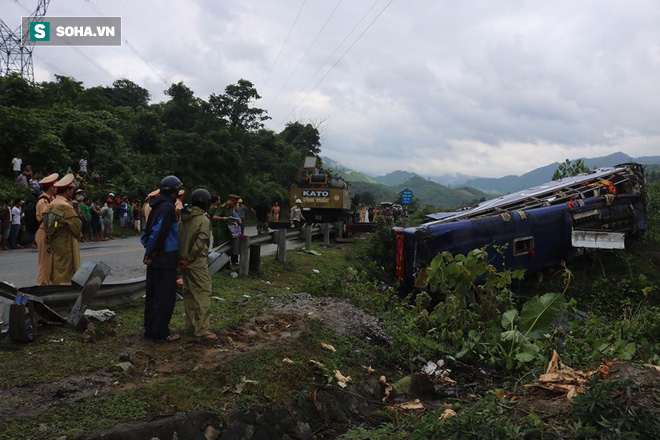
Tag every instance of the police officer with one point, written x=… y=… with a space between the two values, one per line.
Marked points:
x=161 y=242
x=64 y=234
x=48 y=191
x=194 y=240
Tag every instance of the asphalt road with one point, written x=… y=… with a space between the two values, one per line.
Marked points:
x=124 y=256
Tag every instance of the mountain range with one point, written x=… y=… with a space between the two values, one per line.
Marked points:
x=501 y=185
x=374 y=190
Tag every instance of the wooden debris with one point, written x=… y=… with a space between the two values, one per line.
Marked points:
x=369 y=369
x=328 y=347
x=342 y=380
x=565 y=380
x=448 y=413
x=388 y=387
x=413 y=405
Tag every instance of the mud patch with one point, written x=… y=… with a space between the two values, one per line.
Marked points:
x=29 y=400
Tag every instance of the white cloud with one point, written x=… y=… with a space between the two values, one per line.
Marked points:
x=486 y=87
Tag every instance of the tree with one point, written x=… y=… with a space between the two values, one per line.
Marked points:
x=570 y=169
x=367 y=198
x=233 y=107
x=126 y=92
x=305 y=138
x=17 y=91
x=182 y=111
x=65 y=90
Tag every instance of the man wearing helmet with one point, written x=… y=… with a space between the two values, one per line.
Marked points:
x=194 y=240
x=296 y=215
x=161 y=242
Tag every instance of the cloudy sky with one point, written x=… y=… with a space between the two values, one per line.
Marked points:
x=479 y=87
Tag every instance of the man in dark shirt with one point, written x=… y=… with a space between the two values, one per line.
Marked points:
x=161 y=243
x=5 y=222
x=261 y=211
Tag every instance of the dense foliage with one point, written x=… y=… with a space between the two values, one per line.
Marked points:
x=131 y=143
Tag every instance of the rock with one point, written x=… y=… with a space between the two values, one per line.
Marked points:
x=88 y=336
x=124 y=366
x=304 y=432
x=250 y=333
x=238 y=431
x=211 y=433
x=125 y=357
x=179 y=426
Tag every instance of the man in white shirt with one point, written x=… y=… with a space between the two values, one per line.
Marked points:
x=16 y=165
x=15 y=224
x=82 y=166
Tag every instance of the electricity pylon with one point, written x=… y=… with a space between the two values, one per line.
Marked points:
x=16 y=56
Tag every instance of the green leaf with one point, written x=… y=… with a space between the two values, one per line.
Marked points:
x=538 y=313
x=627 y=352
x=464 y=351
x=508 y=318
x=512 y=335
x=525 y=357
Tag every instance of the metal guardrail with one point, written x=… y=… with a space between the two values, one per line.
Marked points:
x=248 y=248
x=271 y=237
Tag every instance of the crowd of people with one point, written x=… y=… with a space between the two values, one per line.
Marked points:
x=387 y=212
x=176 y=237
x=102 y=216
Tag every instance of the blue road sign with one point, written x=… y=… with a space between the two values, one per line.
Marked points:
x=406 y=197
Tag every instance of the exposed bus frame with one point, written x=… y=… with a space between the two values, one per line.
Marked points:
x=539 y=226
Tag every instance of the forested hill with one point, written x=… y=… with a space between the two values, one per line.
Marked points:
x=388 y=188
x=131 y=143
x=424 y=191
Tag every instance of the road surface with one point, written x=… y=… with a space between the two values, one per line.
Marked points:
x=124 y=256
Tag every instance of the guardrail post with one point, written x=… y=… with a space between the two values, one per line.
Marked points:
x=339 y=230
x=326 y=234
x=307 y=230
x=235 y=246
x=281 y=245
x=255 y=258
x=244 y=255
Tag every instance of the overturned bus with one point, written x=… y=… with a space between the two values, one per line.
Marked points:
x=535 y=228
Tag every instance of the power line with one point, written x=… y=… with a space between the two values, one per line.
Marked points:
x=293 y=98
x=25 y=8
x=100 y=13
x=306 y=52
x=285 y=40
x=98 y=66
x=139 y=55
x=52 y=66
x=340 y=58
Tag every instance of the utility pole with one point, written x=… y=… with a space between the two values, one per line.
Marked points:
x=16 y=56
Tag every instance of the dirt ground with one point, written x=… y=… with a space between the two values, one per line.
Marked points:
x=144 y=362
x=284 y=321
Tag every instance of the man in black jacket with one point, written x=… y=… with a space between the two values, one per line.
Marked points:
x=161 y=242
